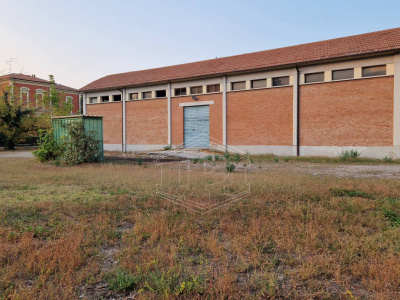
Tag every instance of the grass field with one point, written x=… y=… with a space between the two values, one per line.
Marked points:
x=99 y=231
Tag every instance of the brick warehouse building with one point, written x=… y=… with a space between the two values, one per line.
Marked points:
x=311 y=99
x=32 y=89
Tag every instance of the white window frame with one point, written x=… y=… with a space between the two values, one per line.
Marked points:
x=39 y=92
x=24 y=90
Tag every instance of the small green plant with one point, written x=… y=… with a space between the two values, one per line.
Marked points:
x=121 y=281
x=227 y=155
x=48 y=148
x=236 y=157
x=276 y=159
x=230 y=167
x=218 y=158
x=197 y=160
x=350 y=193
x=209 y=158
x=139 y=161
x=167 y=148
x=349 y=154
x=286 y=159
x=392 y=217
x=388 y=159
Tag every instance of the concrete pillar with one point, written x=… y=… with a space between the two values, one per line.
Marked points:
x=169 y=90
x=124 y=120
x=224 y=114
x=396 y=105
x=295 y=111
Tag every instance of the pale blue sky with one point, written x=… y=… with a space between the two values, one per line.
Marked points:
x=80 y=41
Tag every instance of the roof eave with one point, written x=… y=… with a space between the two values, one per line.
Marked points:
x=246 y=71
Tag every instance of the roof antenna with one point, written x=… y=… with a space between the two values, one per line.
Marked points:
x=10 y=62
x=22 y=70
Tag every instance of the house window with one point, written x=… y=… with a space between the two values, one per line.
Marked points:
x=279 y=81
x=240 y=85
x=146 y=95
x=343 y=74
x=24 y=95
x=180 y=92
x=39 y=98
x=93 y=100
x=105 y=98
x=213 y=88
x=117 y=98
x=133 y=96
x=69 y=100
x=161 y=94
x=196 y=90
x=314 y=77
x=257 y=84
x=374 y=71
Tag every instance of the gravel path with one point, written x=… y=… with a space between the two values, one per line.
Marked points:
x=16 y=153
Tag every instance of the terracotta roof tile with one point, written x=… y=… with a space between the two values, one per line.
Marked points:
x=15 y=76
x=363 y=44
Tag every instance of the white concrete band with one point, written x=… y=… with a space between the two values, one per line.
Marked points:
x=198 y=103
x=124 y=120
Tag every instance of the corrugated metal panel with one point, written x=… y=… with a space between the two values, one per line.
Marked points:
x=91 y=124
x=196 y=126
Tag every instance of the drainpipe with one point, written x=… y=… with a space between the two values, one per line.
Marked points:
x=297 y=111
x=84 y=104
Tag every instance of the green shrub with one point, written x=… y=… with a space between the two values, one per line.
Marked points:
x=48 y=148
x=167 y=148
x=209 y=158
x=388 y=159
x=349 y=154
x=122 y=281
x=276 y=159
x=79 y=147
x=230 y=168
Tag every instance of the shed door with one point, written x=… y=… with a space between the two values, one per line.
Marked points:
x=196 y=124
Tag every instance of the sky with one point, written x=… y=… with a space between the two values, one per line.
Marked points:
x=81 y=41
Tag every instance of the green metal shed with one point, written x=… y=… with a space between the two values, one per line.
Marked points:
x=92 y=124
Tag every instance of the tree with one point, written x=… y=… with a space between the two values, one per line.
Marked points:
x=16 y=121
x=53 y=101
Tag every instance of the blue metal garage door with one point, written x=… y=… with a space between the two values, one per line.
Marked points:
x=196 y=126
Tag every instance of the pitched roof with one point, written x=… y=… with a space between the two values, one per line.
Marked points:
x=15 y=76
x=346 y=47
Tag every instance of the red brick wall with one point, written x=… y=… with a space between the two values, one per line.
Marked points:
x=347 y=113
x=32 y=92
x=215 y=117
x=112 y=120
x=260 y=117
x=147 y=122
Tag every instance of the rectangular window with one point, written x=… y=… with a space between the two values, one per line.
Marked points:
x=343 y=74
x=161 y=94
x=240 y=85
x=374 y=71
x=180 y=92
x=93 y=100
x=133 y=96
x=196 y=90
x=314 y=77
x=146 y=95
x=105 y=98
x=117 y=98
x=213 y=88
x=279 y=81
x=260 y=83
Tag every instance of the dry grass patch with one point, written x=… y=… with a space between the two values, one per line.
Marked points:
x=98 y=231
